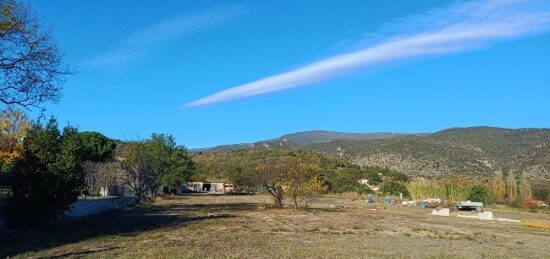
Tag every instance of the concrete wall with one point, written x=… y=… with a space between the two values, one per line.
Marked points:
x=83 y=208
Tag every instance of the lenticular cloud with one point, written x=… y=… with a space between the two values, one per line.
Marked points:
x=459 y=27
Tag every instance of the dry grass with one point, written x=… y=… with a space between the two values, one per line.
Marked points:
x=201 y=226
x=535 y=224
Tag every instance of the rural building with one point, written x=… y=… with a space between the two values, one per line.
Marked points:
x=217 y=187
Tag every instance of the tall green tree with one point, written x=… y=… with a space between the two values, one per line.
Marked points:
x=48 y=177
x=97 y=147
x=181 y=169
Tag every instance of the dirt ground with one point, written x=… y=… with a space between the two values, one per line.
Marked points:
x=197 y=226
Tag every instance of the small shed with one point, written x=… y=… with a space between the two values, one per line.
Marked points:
x=214 y=187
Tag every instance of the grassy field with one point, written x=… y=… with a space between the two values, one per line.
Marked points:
x=199 y=226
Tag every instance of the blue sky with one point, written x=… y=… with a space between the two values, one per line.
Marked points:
x=218 y=72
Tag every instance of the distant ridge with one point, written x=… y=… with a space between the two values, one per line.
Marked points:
x=474 y=150
x=478 y=151
x=300 y=139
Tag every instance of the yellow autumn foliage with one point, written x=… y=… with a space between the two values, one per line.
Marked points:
x=6 y=17
x=498 y=186
x=13 y=128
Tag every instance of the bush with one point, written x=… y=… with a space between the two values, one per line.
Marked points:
x=48 y=178
x=346 y=181
x=394 y=188
x=482 y=193
x=541 y=190
x=377 y=175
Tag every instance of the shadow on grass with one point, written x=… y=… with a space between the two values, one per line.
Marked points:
x=126 y=222
x=216 y=207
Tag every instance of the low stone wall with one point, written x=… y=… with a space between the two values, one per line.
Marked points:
x=83 y=208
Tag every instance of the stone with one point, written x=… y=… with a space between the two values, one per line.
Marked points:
x=487 y=215
x=441 y=212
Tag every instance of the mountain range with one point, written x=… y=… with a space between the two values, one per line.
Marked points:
x=474 y=150
x=302 y=139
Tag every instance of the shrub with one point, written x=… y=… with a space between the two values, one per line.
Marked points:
x=483 y=194
x=346 y=183
x=394 y=188
x=48 y=178
x=346 y=180
x=377 y=175
x=541 y=190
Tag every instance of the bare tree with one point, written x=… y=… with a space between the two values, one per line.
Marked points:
x=146 y=162
x=269 y=176
x=140 y=178
x=289 y=176
x=31 y=66
x=92 y=177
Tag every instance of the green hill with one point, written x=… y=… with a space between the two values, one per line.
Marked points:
x=476 y=150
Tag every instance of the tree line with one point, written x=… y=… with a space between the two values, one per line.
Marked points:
x=294 y=174
x=48 y=168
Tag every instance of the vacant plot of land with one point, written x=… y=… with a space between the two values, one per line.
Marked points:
x=240 y=226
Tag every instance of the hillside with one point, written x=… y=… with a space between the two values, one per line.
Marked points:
x=322 y=136
x=301 y=139
x=477 y=150
x=227 y=166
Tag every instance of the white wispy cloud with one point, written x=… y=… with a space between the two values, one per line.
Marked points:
x=139 y=44
x=456 y=28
